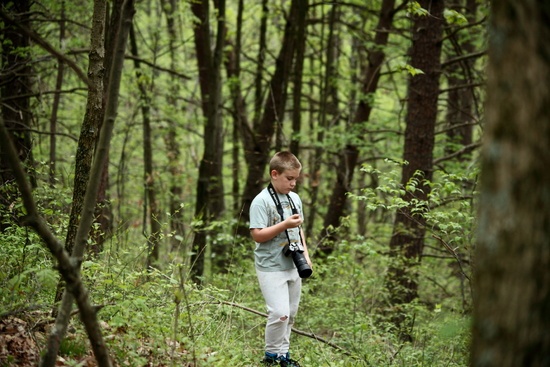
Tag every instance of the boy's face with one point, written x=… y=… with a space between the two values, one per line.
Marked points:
x=285 y=181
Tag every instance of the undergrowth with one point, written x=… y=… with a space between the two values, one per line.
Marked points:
x=162 y=319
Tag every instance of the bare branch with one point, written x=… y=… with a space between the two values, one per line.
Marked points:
x=45 y=45
x=464 y=150
x=454 y=254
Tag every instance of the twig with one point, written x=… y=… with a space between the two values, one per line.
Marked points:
x=40 y=324
x=20 y=310
x=453 y=252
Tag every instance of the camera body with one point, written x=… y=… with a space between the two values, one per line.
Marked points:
x=296 y=250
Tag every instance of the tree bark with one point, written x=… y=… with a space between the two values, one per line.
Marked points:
x=511 y=317
x=407 y=242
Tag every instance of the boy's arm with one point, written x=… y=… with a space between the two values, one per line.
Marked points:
x=261 y=235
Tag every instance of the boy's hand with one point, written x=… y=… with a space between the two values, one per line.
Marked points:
x=293 y=221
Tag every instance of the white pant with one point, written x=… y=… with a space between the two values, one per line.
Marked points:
x=281 y=291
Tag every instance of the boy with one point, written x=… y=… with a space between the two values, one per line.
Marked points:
x=275 y=221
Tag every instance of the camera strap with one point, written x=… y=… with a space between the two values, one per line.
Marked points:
x=277 y=202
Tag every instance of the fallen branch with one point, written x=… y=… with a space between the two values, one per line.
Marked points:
x=297 y=331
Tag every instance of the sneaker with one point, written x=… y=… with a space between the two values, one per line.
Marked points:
x=286 y=361
x=270 y=359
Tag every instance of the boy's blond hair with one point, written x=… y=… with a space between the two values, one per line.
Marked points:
x=283 y=161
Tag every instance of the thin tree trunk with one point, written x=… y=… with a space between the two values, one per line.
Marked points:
x=151 y=207
x=327 y=111
x=461 y=98
x=511 y=318
x=65 y=264
x=258 y=145
x=350 y=153
x=297 y=79
x=89 y=130
x=209 y=201
x=407 y=242
x=56 y=100
x=238 y=108
x=259 y=75
x=75 y=289
x=171 y=138
x=103 y=211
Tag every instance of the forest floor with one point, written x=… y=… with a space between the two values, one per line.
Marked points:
x=22 y=339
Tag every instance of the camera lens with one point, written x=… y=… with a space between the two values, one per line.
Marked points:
x=301 y=264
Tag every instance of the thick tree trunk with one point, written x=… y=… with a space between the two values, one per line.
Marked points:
x=512 y=278
x=407 y=242
x=15 y=80
x=92 y=120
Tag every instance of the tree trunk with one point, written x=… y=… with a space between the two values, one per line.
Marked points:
x=258 y=145
x=90 y=128
x=15 y=82
x=65 y=264
x=75 y=289
x=350 y=153
x=327 y=110
x=56 y=100
x=209 y=200
x=512 y=279
x=460 y=110
x=171 y=138
x=103 y=210
x=407 y=242
x=297 y=79
x=238 y=108
x=151 y=208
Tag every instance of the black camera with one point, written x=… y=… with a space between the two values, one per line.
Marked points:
x=297 y=252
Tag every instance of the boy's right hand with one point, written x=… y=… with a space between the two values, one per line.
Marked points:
x=294 y=221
